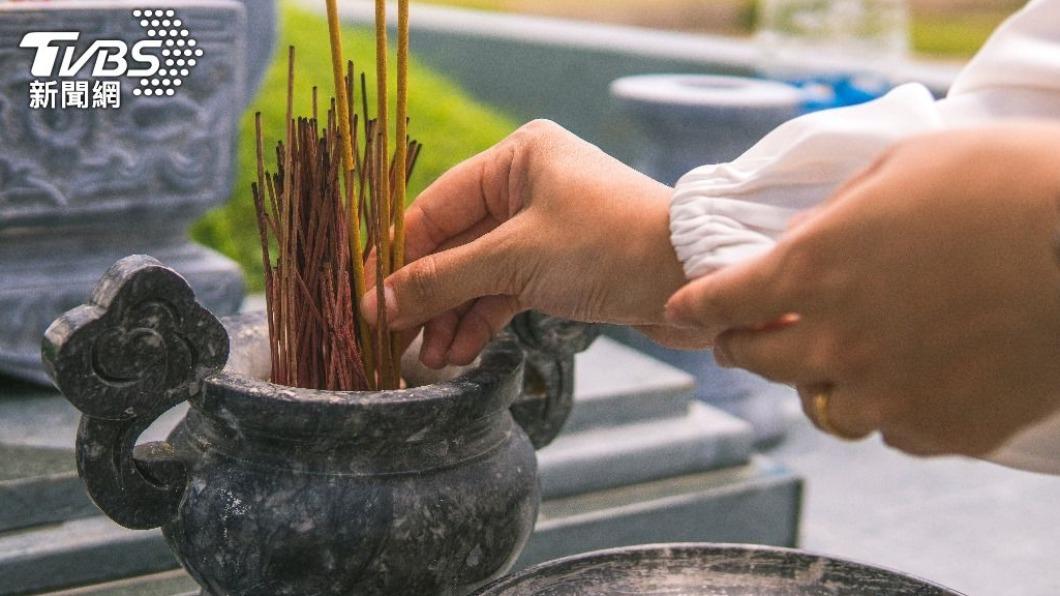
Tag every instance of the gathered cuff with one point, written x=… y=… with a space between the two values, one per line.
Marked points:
x=710 y=232
x=726 y=213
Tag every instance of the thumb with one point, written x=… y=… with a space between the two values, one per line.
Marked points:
x=444 y=280
x=743 y=295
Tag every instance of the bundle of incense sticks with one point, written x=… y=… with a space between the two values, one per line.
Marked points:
x=334 y=199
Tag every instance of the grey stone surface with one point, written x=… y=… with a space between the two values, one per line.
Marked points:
x=140 y=346
x=616 y=385
x=39 y=485
x=756 y=503
x=38 y=477
x=77 y=552
x=635 y=420
x=737 y=392
x=167 y=583
x=976 y=527
x=83 y=187
x=704 y=438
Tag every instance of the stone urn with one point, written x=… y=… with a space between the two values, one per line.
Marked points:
x=265 y=489
x=88 y=178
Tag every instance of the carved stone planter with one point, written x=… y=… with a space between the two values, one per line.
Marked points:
x=264 y=489
x=81 y=187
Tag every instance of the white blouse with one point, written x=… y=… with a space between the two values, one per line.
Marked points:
x=726 y=213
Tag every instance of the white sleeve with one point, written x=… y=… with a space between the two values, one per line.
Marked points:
x=725 y=213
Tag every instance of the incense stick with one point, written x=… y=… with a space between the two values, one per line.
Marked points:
x=401 y=150
x=327 y=185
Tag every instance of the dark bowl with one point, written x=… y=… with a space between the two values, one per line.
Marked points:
x=708 y=570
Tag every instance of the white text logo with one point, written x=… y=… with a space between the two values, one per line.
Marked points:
x=64 y=78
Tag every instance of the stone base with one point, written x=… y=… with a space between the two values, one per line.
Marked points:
x=757 y=503
x=43 y=280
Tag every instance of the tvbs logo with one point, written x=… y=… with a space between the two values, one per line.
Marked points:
x=160 y=63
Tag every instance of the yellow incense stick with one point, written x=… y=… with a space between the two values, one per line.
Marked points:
x=353 y=211
x=401 y=150
x=401 y=157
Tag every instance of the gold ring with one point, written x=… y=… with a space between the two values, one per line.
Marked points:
x=824 y=421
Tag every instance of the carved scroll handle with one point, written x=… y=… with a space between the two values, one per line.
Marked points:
x=548 y=383
x=140 y=346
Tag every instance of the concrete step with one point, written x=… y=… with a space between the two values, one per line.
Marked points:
x=617 y=385
x=702 y=439
x=78 y=552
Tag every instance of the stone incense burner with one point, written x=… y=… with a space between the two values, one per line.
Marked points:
x=264 y=489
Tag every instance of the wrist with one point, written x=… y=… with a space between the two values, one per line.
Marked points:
x=654 y=257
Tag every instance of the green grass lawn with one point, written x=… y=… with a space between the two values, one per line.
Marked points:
x=450 y=124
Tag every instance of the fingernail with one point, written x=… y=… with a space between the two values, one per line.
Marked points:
x=677 y=318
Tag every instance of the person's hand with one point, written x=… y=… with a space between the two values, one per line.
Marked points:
x=925 y=296
x=542 y=221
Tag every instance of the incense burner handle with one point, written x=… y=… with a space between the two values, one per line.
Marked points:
x=141 y=345
x=548 y=381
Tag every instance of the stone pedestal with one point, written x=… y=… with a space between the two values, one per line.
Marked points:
x=640 y=461
x=686 y=121
x=81 y=187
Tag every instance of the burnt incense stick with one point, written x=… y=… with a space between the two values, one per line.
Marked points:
x=329 y=182
x=342 y=99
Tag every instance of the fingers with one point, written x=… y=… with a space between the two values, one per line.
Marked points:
x=473 y=233
x=442 y=281
x=477 y=190
x=479 y=325
x=437 y=337
x=842 y=413
x=677 y=338
x=458 y=336
x=781 y=354
x=744 y=295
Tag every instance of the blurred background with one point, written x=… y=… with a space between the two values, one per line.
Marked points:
x=666 y=446
x=939 y=28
